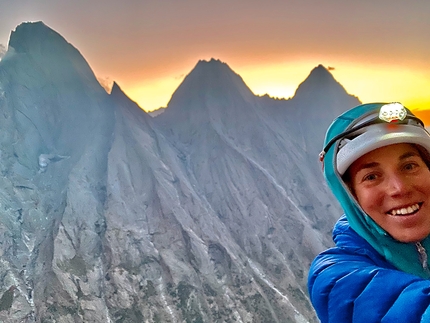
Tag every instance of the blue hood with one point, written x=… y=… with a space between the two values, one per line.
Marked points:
x=403 y=256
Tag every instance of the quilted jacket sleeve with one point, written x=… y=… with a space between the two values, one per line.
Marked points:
x=351 y=288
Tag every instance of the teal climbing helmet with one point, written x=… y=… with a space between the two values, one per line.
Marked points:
x=377 y=126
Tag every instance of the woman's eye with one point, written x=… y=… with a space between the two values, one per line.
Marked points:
x=370 y=177
x=410 y=166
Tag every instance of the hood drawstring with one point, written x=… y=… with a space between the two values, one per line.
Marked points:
x=422 y=254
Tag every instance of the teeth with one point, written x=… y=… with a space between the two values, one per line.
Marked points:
x=405 y=210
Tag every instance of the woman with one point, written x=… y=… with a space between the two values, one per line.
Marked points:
x=376 y=161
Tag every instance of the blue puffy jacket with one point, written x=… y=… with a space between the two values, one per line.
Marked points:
x=353 y=283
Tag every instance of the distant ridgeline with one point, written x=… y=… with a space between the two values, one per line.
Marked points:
x=210 y=212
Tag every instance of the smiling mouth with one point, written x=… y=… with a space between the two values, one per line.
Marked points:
x=412 y=209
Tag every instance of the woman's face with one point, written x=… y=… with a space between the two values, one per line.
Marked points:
x=392 y=185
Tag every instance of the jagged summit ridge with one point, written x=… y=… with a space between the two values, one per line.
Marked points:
x=49 y=50
x=319 y=80
x=320 y=74
x=35 y=37
x=116 y=91
x=315 y=94
x=215 y=78
x=212 y=61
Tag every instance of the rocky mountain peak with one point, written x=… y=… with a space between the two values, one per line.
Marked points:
x=36 y=37
x=48 y=51
x=321 y=75
x=214 y=78
x=117 y=91
x=320 y=81
x=124 y=103
x=119 y=96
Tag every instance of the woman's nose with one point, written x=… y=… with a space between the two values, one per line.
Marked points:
x=397 y=185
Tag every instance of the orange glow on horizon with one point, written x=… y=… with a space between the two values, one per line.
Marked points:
x=155 y=94
x=368 y=82
x=424 y=115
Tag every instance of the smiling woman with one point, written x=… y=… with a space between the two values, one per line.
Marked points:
x=392 y=185
x=376 y=162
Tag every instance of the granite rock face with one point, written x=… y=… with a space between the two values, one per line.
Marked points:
x=209 y=212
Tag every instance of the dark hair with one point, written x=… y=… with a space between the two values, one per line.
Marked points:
x=346 y=178
x=424 y=154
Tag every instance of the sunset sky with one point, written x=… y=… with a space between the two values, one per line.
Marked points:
x=379 y=49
